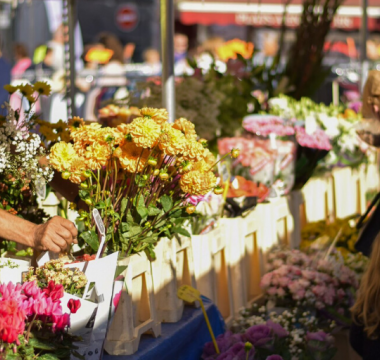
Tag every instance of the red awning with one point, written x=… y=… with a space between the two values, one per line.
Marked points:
x=268 y=14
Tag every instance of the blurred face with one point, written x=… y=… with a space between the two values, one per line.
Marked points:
x=152 y=57
x=181 y=43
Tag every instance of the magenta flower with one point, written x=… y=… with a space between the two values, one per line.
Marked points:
x=277 y=329
x=260 y=336
x=274 y=357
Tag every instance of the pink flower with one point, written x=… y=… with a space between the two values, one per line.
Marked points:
x=284 y=281
x=272 y=291
x=60 y=322
x=30 y=288
x=73 y=305
x=317 y=140
x=54 y=291
x=281 y=292
x=266 y=281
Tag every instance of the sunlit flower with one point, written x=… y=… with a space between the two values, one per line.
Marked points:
x=10 y=89
x=42 y=87
x=172 y=141
x=75 y=123
x=97 y=155
x=160 y=116
x=61 y=156
x=187 y=127
x=145 y=132
x=196 y=182
x=131 y=157
x=78 y=165
x=26 y=89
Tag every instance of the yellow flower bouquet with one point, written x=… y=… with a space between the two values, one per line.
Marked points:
x=144 y=178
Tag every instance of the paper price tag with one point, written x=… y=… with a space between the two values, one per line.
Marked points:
x=40 y=185
x=188 y=294
x=98 y=221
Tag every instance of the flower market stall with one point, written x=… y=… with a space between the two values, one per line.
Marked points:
x=221 y=225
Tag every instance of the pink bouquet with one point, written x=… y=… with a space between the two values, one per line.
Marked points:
x=296 y=279
x=264 y=125
x=31 y=320
x=318 y=140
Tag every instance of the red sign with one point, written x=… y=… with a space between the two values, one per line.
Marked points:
x=127 y=17
x=271 y=20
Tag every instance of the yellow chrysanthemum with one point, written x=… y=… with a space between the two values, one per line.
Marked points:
x=97 y=155
x=186 y=127
x=26 y=89
x=42 y=87
x=10 y=89
x=145 y=132
x=160 y=116
x=208 y=157
x=171 y=141
x=201 y=166
x=75 y=123
x=48 y=133
x=85 y=136
x=193 y=150
x=109 y=135
x=131 y=157
x=62 y=155
x=196 y=182
x=78 y=165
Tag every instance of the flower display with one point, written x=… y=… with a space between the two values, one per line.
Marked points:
x=261 y=334
x=73 y=280
x=32 y=322
x=265 y=125
x=138 y=175
x=317 y=140
x=296 y=279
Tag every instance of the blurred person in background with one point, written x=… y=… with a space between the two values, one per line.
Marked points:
x=128 y=52
x=22 y=60
x=58 y=48
x=113 y=73
x=152 y=58
x=181 y=45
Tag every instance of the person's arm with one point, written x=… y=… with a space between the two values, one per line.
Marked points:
x=55 y=235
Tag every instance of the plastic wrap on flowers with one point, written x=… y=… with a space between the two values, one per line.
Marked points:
x=275 y=135
x=311 y=149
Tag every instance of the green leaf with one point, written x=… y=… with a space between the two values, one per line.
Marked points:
x=176 y=213
x=150 y=239
x=109 y=202
x=91 y=238
x=153 y=211
x=101 y=205
x=42 y=345
x=181 y=231
x=123 y=205
x=83 y=194
x=133 y=231
x=125 y=227
x=142 y=211
x=166 y=202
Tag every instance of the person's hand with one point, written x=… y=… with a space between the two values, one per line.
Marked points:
x=55 y=235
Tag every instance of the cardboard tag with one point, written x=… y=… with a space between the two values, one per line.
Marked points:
x=188 y=294
x=98 y=221
x=40 y=185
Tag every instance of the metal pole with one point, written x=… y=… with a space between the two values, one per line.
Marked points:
x=167 y=54
x=363 y=45
x=69 y=21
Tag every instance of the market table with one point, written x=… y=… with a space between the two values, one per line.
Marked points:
x=183 y=340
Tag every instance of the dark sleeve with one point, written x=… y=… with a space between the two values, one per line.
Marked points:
x=356 y=338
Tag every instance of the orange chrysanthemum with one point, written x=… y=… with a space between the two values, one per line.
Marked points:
x=145 y=132
x=196 y=182
x=131 y=157
x=186 y=127
x=172 y=141
x=160 y=116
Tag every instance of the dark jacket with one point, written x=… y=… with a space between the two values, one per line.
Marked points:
x=368 y=349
